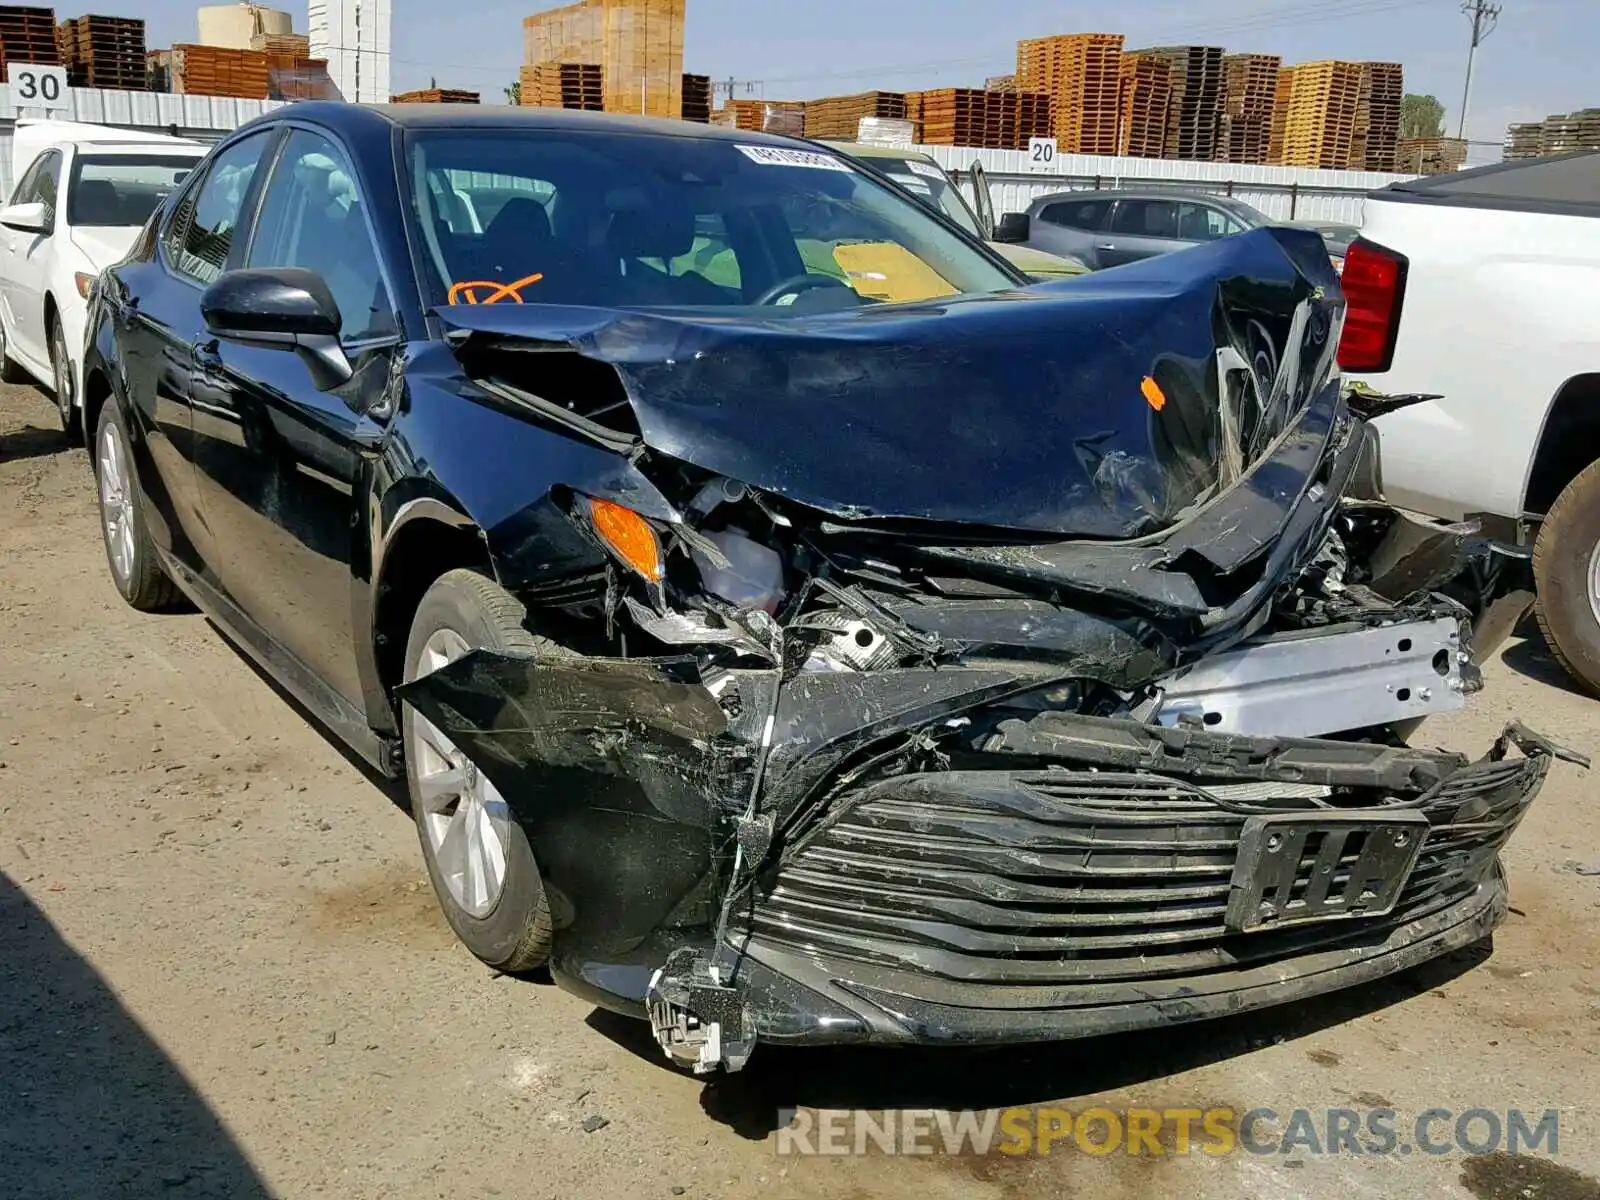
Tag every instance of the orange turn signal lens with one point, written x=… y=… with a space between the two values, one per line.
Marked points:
x=626 y=532
x=84 y=282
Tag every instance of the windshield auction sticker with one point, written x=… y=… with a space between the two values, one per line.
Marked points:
x=782 y=156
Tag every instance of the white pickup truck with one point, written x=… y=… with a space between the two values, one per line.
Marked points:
x=1484 y=287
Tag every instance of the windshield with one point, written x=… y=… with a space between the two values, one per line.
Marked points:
x=929 y=183
x=123 y=189
x=645 y=220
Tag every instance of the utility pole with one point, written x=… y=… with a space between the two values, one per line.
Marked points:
x=1485 y=16
x=731 y=86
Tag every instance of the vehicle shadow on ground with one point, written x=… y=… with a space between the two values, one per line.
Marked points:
x=89 y=1104
x=32 y=442
x=775 y=1079
x=1531 y=659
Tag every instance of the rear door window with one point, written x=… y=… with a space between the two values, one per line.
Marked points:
x=1146 y=218
x=1088 y=215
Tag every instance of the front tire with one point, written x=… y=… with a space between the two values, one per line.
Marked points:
x=65 y=384
x=478 y=856
x=130 y=552
x=1566 y=571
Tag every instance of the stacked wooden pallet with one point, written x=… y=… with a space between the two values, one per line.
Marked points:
x=1145 y=104
x=219 y=71
x=840 y=116
x=563 y=85
x=697 y=99
x=1036 y=117
x=1082 y=74
x=643 y=63
x=573 y=34
x=1559 y=133
x=770 y=116
x=967 y=117
x=298 y=77
x=436 y=96
x=1000 y=83
x=1249 y=97
x=291 y=45
x=1525 y=140
x=28 y=35
x=1280 y=116
x=1565 y=133
x=1321 y=124
x=103 y=52
x=1194 y=117
x=1431 y=155
x=1377 y=129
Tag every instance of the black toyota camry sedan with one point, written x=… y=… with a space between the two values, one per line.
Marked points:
x=792 y=626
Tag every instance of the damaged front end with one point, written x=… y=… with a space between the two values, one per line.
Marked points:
x=1082 y=722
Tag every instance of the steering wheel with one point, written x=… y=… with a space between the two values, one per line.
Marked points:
x=797 y=284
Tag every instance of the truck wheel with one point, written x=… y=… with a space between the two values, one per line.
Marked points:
x=1566 y=571
x=478 y=856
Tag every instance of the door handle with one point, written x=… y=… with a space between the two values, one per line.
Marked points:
x=206 y=357
x=1106 y=246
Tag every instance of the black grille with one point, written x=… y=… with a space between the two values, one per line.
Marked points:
x=992 y=877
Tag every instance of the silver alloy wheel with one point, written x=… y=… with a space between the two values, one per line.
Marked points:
x=116 y=502
x=464 y=817
x=62 y=366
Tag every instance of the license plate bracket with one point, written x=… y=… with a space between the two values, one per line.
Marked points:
x=1322 y=865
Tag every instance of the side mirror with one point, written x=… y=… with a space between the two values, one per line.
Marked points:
x=1014 y=229
x=27 y=218
x=287 y=307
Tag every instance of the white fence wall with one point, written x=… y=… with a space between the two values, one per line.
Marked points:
x=1283 y=193
x=204 y=118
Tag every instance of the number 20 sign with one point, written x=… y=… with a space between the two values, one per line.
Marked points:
x=34 y=86
x=1042 y=154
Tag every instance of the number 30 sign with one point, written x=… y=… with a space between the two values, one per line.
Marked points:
x=33 y=86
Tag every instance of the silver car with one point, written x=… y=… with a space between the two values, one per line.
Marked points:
x=1108 y=228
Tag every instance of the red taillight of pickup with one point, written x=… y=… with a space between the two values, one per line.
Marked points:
x=1374 y=285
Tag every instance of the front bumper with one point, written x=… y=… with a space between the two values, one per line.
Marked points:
x=1012 y=906
x=1045 y=876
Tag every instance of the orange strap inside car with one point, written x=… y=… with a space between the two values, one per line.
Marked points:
x=499 y=291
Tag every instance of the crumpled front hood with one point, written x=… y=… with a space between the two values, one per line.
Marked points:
x=1106 y=406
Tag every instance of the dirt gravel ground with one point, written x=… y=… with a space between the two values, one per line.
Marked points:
x=222 y=972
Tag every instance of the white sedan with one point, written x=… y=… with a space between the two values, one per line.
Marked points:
x=76 y=209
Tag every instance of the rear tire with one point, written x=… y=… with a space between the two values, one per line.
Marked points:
x=130 y=552
x=1566 y=571
x=478 y=857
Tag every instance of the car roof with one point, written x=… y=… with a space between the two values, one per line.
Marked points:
x=1139 y=194
x=355 y=118
x=173 y=149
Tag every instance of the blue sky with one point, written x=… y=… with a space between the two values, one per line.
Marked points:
x=1541 y=59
